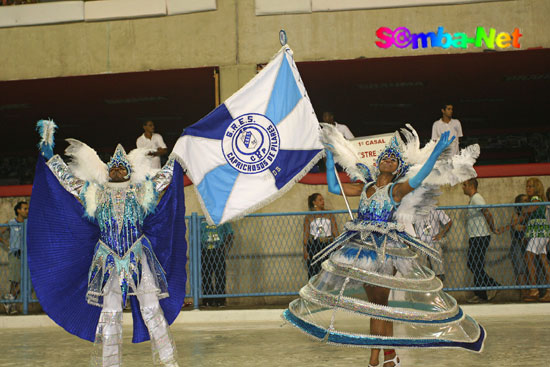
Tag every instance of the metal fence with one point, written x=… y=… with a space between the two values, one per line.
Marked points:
x=263 y=254
x=15 y=288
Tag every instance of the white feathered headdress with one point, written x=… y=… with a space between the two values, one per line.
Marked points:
x=86 y=164
x=417 y=204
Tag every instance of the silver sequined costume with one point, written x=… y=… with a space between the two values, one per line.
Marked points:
x=119 y=209
x=119 y=198
x=124 y=262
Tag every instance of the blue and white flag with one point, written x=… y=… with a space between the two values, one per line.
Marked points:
x=255 y=146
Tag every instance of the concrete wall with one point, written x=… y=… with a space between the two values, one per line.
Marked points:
x=173 y=42
x=235 y=39
x=494 y=190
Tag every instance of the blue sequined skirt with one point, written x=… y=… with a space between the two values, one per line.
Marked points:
x=334 y=306
x=128 y=268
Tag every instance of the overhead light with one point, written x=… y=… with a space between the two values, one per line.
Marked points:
x=390 y=85
x=135 y=100
x=160 y=118
x=473 y=119
x=391 y=124
x=390 y=105
x=513 y=78
x=15 y=106
x=481 y=100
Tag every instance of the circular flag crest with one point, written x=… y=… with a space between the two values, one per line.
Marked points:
x=251 y=143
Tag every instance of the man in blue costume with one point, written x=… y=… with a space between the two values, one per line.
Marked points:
x=129 y=223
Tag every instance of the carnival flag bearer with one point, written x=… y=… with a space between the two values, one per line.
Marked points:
x=347 y=303
x=100 y=234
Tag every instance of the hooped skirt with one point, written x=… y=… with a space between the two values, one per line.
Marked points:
x=334 y=307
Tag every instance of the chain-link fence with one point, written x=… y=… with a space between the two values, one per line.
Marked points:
x=497 y=247
x=483 y=248
x=15 y=284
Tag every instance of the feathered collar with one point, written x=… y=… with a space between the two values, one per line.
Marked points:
x=86 y=164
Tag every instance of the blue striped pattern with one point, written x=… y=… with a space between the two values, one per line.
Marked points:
x=215 y=188
x=211 y=126
x=217 y=185
x=284 y=96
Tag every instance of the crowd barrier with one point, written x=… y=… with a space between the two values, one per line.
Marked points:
x=263 y=255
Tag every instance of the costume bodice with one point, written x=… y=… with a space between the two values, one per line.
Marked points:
x=119 y=216
x=379 y=207
x=118 y=208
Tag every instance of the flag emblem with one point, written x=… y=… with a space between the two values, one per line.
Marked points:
x=251 y=143
x=254 y=146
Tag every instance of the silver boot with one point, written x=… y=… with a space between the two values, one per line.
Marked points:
x=162 y=343
x=108 y=340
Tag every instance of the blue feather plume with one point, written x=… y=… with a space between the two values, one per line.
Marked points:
x=46 y=129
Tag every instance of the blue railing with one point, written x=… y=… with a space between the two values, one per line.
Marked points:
x=264 y=256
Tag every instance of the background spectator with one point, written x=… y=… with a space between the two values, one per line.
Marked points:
x=152 y=141
x=518 y=244
x=479 y=240
x=432 y=229
x=537 y=233
x=216 y=242
x=328 y=117
x=21 y=210
x=319 y=230
x=447 y=123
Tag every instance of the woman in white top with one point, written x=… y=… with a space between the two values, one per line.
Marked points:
x=319 y=230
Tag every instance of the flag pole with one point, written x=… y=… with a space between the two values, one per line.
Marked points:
x=284 y=40
x=343 y=193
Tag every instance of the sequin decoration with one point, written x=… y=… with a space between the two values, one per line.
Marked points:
x=395 y=149
x=120 y=159
x=120 y=217
x=378 y=207
x=119 y=210
x=162 y=178
x=63 y=174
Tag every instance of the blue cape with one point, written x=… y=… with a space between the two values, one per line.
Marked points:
x=61 y=243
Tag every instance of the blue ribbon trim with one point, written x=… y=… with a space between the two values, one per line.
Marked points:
x=370 y=341
x=311 y=329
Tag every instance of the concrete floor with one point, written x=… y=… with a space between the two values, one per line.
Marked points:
x=512 y=341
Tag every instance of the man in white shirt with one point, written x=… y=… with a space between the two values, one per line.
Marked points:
x=431 y=230
x=328 y=117
x=150 y=140
x=447 y=123
x=478 y=223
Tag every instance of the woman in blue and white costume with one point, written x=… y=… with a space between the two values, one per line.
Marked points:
x=119 y=223
x=347 y=303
